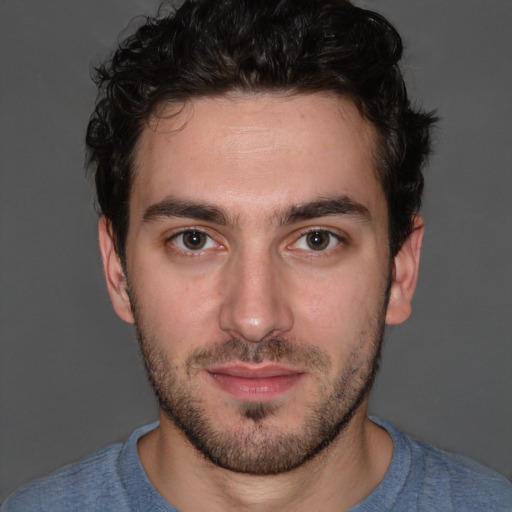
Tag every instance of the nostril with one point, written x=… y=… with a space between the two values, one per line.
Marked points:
x=255 y=320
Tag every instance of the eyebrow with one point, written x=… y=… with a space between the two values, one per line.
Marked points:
x=186 y=209
x=342 y=205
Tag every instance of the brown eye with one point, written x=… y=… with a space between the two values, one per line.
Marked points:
x=193 y=240
x=318 y=240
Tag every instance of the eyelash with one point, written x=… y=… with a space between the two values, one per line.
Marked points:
x=172 y=240
x=333 y=237
x=210 y=242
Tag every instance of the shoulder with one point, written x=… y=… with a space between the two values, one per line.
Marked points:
x=433 y=479
x=468 y=484
x=423 y=477
x=83 y=485
x=105 y=480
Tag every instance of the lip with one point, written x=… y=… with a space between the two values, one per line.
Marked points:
x=255 y=383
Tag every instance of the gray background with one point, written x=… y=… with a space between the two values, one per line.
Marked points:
x=70 y=378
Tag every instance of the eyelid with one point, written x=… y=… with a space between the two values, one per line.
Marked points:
x=170 y=239
x=339 y=237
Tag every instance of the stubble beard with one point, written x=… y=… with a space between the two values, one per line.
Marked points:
x=254 y=445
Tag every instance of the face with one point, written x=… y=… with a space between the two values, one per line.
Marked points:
x=258 y=273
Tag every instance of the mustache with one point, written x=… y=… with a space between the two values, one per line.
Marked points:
x=273 y=349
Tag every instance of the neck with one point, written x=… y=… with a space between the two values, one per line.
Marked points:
x=339 y=477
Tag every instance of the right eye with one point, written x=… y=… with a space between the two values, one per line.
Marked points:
x=193 y=240
x=317 y=240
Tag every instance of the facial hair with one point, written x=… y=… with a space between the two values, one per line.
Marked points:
x=255 y=445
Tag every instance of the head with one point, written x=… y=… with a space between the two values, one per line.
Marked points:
x=258 y=167
x=210 y=48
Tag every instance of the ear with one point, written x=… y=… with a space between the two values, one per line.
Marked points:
x=405 y=275
x=114 y=273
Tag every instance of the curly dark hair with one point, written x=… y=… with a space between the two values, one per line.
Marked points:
x=212 y=47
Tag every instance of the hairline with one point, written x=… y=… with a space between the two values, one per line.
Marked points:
x=174 y=107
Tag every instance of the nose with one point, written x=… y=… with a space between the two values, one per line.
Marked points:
x=254 y=305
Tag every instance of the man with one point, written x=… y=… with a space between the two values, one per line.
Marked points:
x=258 y=166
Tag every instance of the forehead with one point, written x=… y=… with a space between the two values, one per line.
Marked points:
x=253 y=153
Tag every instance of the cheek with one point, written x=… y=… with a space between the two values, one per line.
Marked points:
x=177 y=307
x=338 y=307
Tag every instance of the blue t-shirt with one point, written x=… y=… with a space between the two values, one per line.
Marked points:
x=420 y=478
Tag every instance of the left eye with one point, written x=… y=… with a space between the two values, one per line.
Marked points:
x=317 y=240
x=193 y=240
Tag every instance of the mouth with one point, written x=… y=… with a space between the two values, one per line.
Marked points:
x=255 y=382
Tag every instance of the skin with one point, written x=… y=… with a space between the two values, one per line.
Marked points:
x=257 y=159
